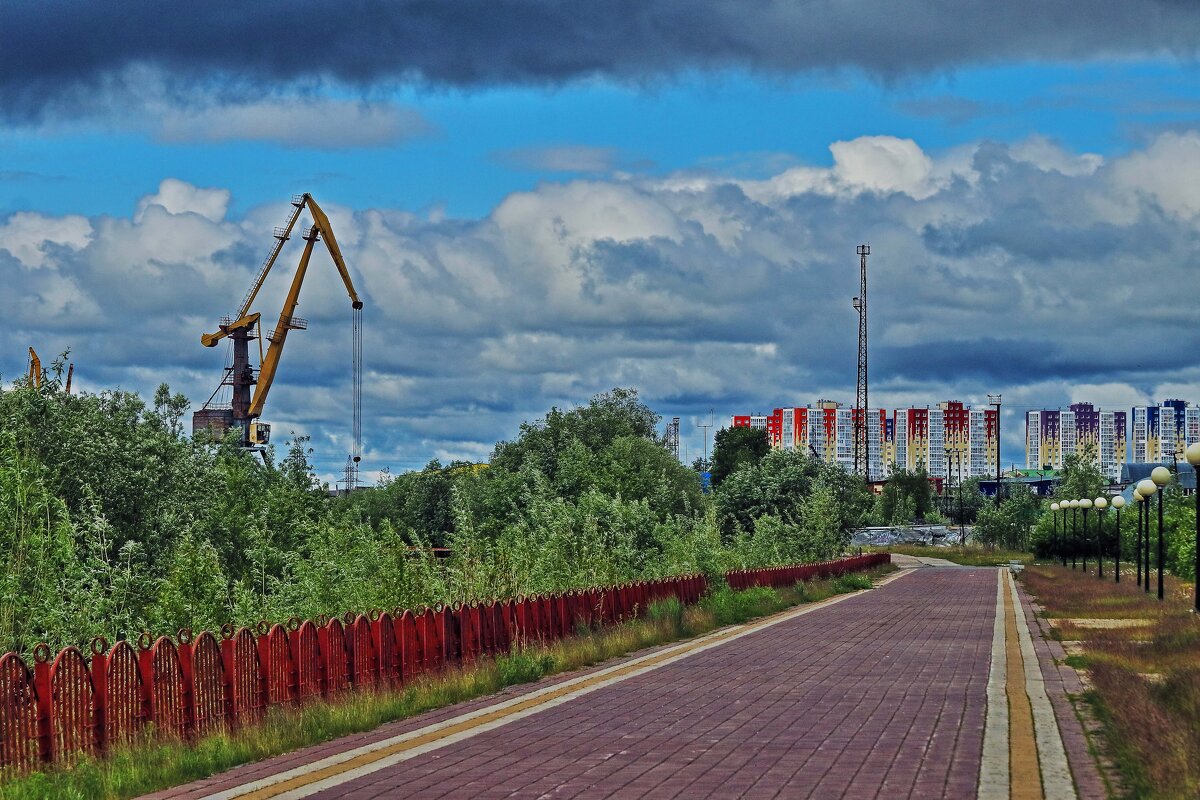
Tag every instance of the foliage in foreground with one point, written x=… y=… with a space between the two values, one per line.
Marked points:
x=112 y=521
x=150 y=766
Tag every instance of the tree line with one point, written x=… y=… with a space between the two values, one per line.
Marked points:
x=113 y=520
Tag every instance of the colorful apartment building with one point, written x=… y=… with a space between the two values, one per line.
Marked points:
x=1172 y=426
x=948 y=441
x=1051 y=435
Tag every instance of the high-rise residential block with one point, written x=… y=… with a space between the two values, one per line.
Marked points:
x=951 y=440
x=1051 y=435
x=1160 y=434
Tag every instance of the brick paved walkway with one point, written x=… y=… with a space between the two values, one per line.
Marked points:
x=880 y=695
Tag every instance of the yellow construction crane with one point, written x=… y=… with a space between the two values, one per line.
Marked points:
x=35 y=369
x=249 y=389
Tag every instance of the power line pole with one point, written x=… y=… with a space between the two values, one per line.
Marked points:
x=706 y=427
x=994 y=400
x=862 y=444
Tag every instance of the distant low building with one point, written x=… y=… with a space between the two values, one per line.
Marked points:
x=1132 y=473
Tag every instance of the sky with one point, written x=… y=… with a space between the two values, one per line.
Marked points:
x=540 y=201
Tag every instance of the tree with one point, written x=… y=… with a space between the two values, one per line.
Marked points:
x=605 y=418
x=1009 y=524
x=907 y=497
x=735 y=447
x=1081 y=475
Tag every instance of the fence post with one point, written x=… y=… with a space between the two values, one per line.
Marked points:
x=293 y=647
x=99 y=670
x=45 y=704
x=184 y=652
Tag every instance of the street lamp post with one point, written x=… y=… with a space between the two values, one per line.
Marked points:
x=1118 y=503
x=1161 y=477
x=1086 y=505
x=1139 y=501
x=1057 y=543
x=1146 y=530
x=1149 y=488
x=1074 y=533
x=1101 y=504
x=1066 y=537
x=1193 y=458
x=962 y=530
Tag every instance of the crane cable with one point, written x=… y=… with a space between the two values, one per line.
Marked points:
x=356 y=455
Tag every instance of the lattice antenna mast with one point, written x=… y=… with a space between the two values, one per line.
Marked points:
x=672 y=441
x=862 y=442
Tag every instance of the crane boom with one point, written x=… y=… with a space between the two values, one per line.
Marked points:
x=287 y=322
x=281 y=236
x=35 y=369
x=321 y=222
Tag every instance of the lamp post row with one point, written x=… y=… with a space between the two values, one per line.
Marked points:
x=1143 y=492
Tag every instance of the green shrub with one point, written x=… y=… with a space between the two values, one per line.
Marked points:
x=851 y=582
x=524 y=666
x=670 y=610
x=732 y=608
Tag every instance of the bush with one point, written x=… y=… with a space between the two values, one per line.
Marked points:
x=851 y=582
x=524 y=666
x=669 y=609
x=730 y=607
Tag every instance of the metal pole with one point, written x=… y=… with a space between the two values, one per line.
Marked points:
x=1074 y=531
x=1083 y=544
x=1146 y=503
x=1138 y=547
x=1160 y=493
x=996 y=403
x=1100 y=543
x=1196 y=493
x=1117 y=568
x=1057 y=541
x=962 y=531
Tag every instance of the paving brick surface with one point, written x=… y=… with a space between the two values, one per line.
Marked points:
x=881 y=695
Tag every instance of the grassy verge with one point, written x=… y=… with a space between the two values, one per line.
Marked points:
x=149 y=766
x=1145 y=680
x=972 y=556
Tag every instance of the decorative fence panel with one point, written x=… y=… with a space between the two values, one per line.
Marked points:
x=185 y=687
x=72 y=705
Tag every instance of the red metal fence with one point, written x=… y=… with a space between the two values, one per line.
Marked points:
x=71 y=704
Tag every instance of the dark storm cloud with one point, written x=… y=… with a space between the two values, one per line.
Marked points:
x=49 y=50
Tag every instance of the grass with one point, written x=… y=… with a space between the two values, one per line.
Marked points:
x=1145 y=681
x=152 y=765
x=972 y=555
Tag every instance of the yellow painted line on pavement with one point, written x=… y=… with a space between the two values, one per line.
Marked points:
x=1056 y=778
x=343 y=767
x=1026 y=776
